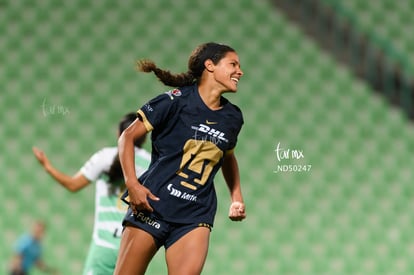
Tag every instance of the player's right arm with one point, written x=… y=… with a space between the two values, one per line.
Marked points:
x=137 y=194
x=72 y=183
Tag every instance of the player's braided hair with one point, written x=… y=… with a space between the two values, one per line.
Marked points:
x=115 y=175
x=213 y=51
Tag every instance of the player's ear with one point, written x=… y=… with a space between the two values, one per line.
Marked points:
x=209 y=65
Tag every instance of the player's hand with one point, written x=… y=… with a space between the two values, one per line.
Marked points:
x=41 y=157
x=53 y=271
x=237 y=211
x=138 y=198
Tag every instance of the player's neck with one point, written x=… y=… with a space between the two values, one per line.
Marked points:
x=211 y=97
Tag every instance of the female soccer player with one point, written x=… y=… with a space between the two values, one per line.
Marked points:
x=104 y=168
x=194 y=133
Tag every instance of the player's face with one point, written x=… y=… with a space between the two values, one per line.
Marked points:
x=228 y=72
x=38 y=231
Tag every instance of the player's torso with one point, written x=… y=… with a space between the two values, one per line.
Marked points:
x=109 y=209
x=189 y=149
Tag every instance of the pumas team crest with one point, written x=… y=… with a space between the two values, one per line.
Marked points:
x=175 y=92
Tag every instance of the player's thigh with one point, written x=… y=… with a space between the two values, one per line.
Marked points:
x=188 y=254
x=135 y=252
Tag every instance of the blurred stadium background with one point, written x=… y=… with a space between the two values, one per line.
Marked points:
x=331 y=79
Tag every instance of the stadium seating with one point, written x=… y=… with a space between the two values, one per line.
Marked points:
x=68 y=76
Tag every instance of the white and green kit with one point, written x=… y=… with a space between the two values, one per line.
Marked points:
x=109 y=209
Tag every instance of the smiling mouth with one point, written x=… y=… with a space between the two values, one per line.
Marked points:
x=235 y=80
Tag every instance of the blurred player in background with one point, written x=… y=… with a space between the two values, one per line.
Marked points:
x=104 y=168
x=28 y=252
x=194 y=133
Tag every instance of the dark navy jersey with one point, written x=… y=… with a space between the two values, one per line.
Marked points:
x=189 y=141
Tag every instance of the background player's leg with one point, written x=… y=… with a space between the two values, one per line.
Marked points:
x=136 y=251
x=188 y=254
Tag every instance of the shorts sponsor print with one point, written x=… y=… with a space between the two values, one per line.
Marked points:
x=164 y=233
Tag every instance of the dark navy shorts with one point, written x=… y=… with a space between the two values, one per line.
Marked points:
x=164 y=233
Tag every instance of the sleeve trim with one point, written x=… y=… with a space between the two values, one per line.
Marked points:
x=144 y=119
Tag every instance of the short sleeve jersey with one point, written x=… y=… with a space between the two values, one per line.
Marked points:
x=109 y=210
x=189 y=141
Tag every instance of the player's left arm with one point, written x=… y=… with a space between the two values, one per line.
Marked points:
x=16 y=263
x=230 y=170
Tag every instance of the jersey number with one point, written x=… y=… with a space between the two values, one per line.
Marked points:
x=199 y=157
